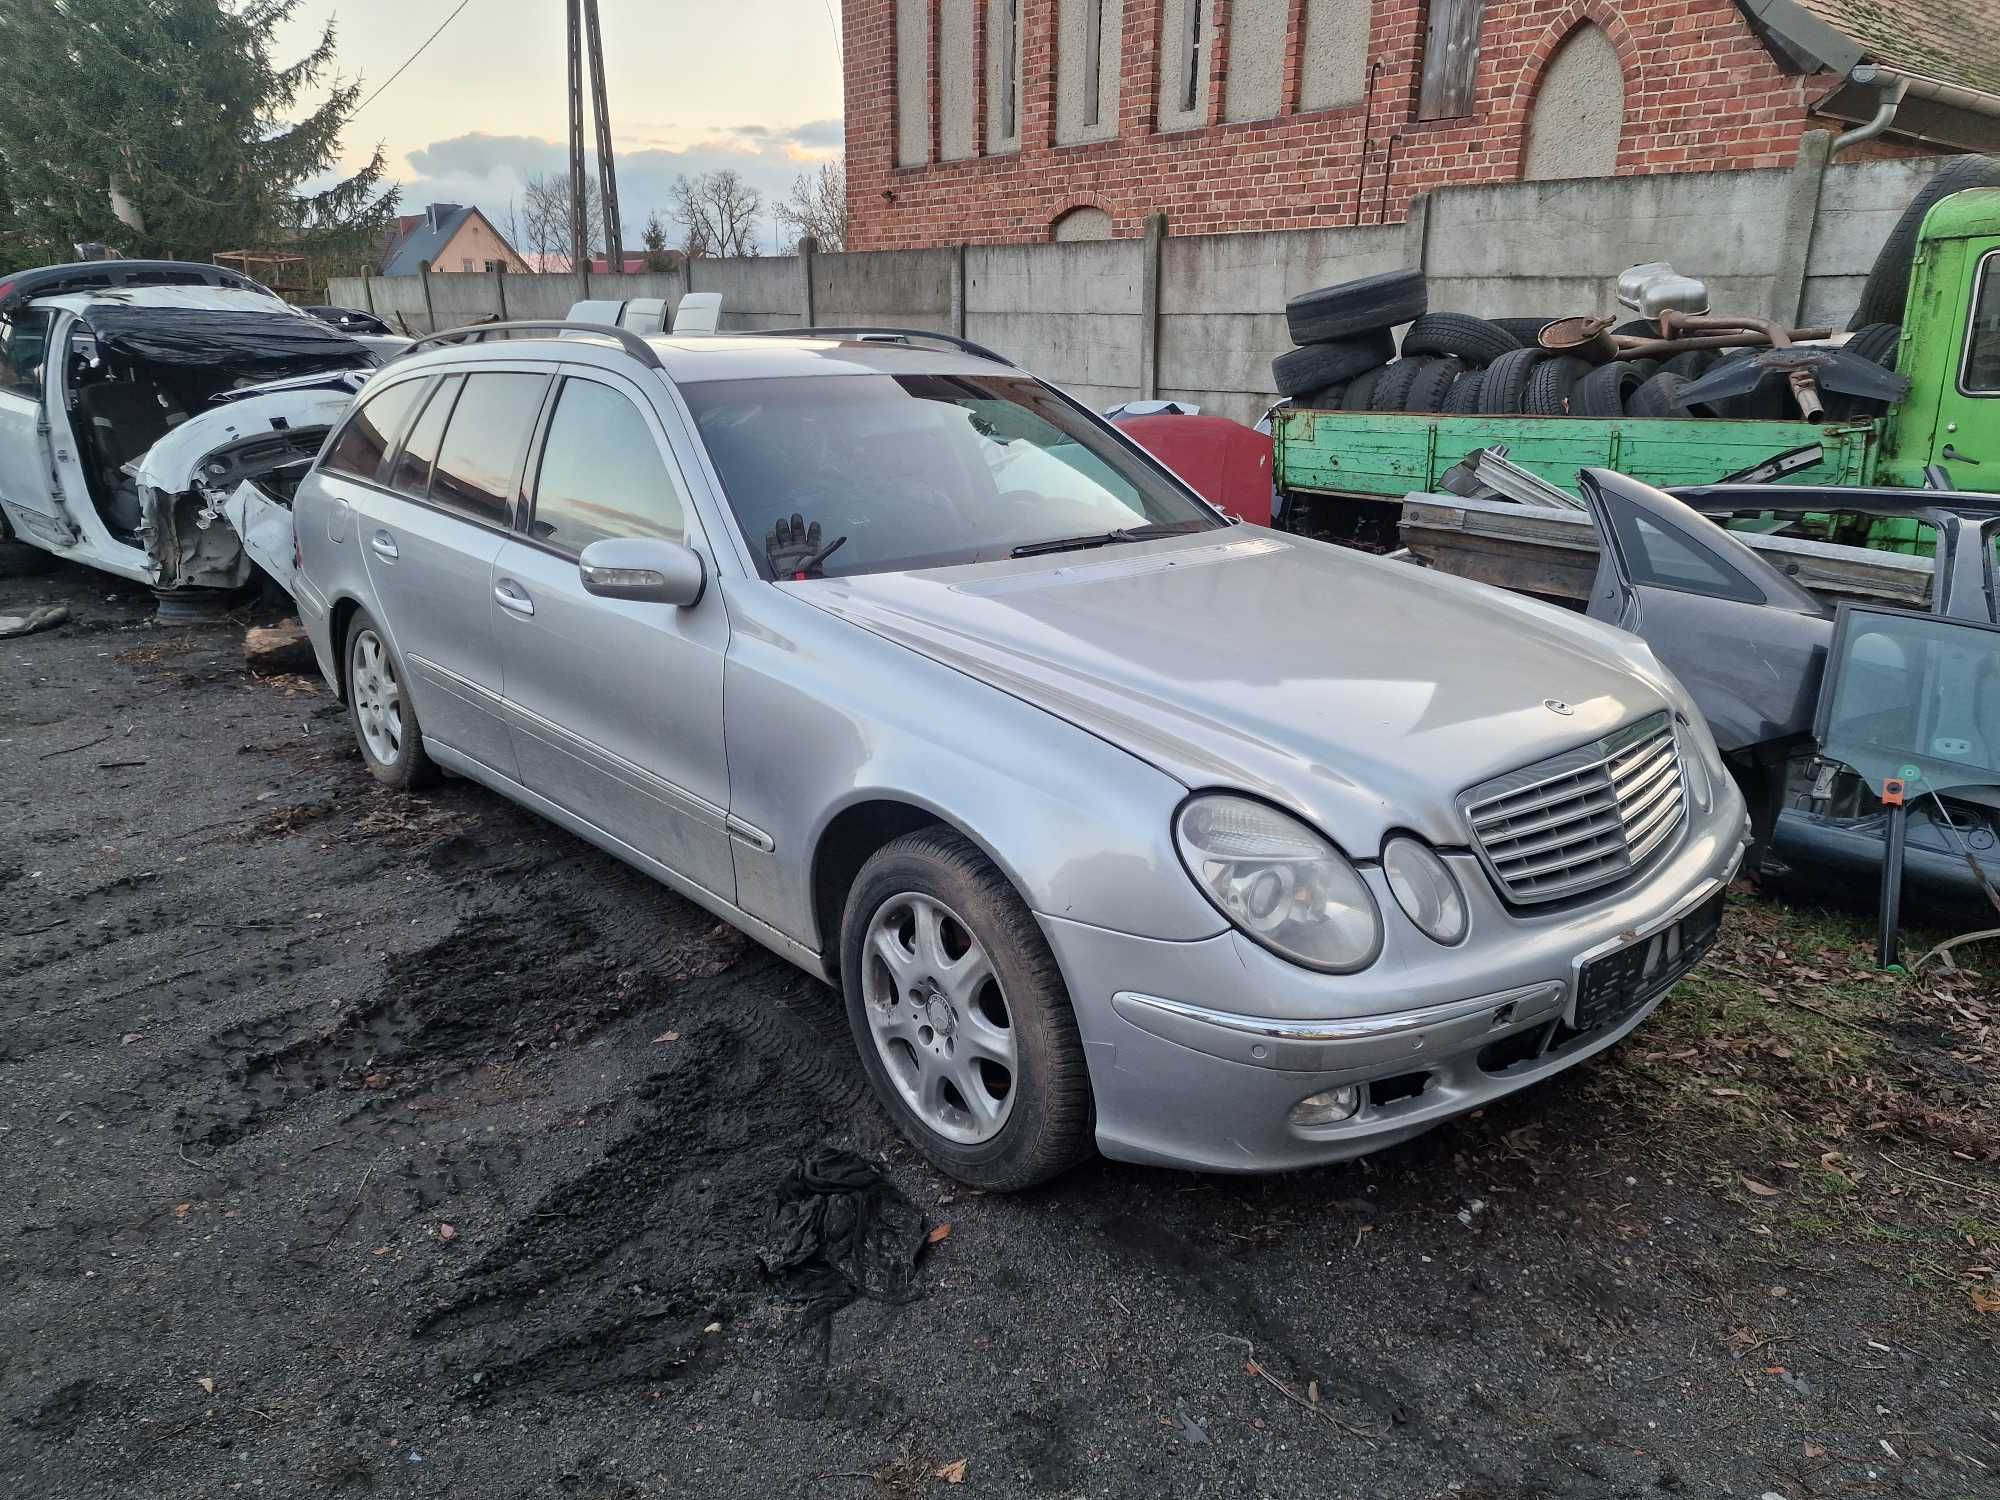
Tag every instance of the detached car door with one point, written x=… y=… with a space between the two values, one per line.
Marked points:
x=616 y=706
x=429 y=540
x=27 y=471
x=1747 y=643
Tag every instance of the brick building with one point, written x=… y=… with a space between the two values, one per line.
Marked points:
x=1023 y=120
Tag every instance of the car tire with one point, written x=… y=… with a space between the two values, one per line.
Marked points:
x=1605 y=390
x=1690 y=364
x=19 y=560
x=1477 y=341
x=1316 y=365
x=1366 y=305
x=1524 y=331
x=1505 y=391
x=1326 y=398
x=927 y=903
x=1432 y=384
x=1463 y=397
x=1550 y=386
x=379 y=708
x=1360 y=393
x=1888 y=284
x=1660 y=397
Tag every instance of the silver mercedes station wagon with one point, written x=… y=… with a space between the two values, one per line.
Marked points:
x=1116 y=823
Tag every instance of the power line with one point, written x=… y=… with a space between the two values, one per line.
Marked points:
x=411 y=58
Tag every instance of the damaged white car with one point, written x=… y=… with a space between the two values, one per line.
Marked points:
x=138 y=397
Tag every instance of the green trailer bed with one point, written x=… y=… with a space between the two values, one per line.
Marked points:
x=1387 y=456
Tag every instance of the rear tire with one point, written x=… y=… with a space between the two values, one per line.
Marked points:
x=932 y=1031
x=379 y=708
x=1505 y=391
x=1605 y=390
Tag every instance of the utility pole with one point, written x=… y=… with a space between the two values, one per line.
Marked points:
x=583 y=26
x=607 y=174
x=579 y=210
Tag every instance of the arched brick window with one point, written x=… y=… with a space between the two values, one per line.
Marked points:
x=1081 y=223
x=1579 y=110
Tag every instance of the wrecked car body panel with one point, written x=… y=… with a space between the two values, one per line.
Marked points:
x=149 y=405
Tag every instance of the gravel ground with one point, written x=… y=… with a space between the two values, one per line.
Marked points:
x=355 y=1143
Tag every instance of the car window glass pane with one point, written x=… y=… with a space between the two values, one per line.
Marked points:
x=923 y=470
x=481 y=457
x=23 y=341
x=1915 y=694
x=601 y=473
x=1659 y=556
x=373 y=427
x=1982 y=350
x=413 y=465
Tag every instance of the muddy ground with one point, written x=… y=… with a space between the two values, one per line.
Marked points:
x=266 y=1031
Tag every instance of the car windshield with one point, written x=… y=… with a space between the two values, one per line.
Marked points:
x=918 y=471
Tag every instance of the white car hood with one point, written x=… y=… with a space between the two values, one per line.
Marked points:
x=1365 y=694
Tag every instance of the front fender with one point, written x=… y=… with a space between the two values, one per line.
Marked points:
x=820 y=716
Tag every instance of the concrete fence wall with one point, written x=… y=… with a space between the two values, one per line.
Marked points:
x=1200 y=318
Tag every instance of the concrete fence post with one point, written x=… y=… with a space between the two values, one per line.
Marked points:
x=957 y=310
x=1799 y=216
x=430 y=312
x=500 y=289
x=368 y=289
x=807 y=248
x=1417 y=233
x=1149 y=307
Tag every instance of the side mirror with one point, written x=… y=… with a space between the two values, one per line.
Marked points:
x=645 y=570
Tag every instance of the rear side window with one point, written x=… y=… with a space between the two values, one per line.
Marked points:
x=479 y=466
x=24 y=343
x=602 y=475
x=1662 y=557
x=412 y=475
x=373 y=427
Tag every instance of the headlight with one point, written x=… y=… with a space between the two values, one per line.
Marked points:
x=1694 y=767
x=1423 y=886
x=1280 y=882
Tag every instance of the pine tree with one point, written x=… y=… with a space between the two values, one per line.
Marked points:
x=163 y=128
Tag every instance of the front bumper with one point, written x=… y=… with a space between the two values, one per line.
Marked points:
x=1198 y=1050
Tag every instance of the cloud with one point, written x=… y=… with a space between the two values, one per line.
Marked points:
x=491 y=170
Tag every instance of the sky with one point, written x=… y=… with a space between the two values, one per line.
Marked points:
x=749 y=84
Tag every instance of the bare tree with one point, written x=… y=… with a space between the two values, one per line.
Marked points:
x=544 y=221
x=717 y=212
x=817 y=207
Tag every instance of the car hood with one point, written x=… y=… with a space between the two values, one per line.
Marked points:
x=1363 y=693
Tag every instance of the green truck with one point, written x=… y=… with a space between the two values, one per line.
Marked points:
x=1342 y=475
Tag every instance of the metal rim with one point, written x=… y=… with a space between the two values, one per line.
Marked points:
x=378 y=696
x=939 y=1019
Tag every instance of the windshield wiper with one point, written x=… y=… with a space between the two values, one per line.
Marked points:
x=1104 y=538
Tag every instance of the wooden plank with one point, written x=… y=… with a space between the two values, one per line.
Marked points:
x=1451 y=56
x=1555 y=553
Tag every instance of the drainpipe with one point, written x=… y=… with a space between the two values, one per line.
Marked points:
x=1893 y=85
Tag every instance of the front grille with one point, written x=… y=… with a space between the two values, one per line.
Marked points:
x=1581 y=819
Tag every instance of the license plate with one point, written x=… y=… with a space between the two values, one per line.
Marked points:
x=1610 y=988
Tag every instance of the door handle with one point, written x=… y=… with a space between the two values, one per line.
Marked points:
x=384 y=545
x=510 y=595
x=1948 y=451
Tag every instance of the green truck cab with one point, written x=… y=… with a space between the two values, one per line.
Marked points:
x=1343 y=474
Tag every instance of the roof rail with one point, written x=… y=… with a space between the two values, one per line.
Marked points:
x=883 y=335
x=476 y=333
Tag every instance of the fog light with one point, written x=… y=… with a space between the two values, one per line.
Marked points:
x=1328 y=1108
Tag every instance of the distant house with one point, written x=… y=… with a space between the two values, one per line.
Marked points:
x=449 y=237
x=635 y=262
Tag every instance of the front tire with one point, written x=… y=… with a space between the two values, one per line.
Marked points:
x=961 y=1017
x=379 y=708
